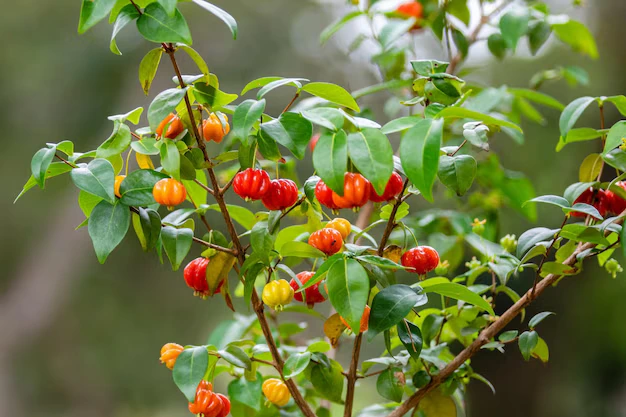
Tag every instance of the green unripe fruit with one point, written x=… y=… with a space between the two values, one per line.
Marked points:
x=509 y=243
x=473 y=264
x=613 y=267
x=442 y=268
x=421 y=379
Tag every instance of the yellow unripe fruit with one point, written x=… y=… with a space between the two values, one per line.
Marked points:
x=277 y=294
x=341 y=225
x=169 y=354
x=276 y=392
x=118 y=183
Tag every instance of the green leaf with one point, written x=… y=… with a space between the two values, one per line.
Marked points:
x=400 y=124
x=460 y=41
x=572 y=112
x=294 y=82
x=147 y=225
x=527 y=342
x=221 y=14
x=93 y=11
x=258 y=83
x=132 y=116
x=371 y=153
x=197 y=58
x=514 y=25
x=578 y=135
x=461 y=112
x=164 y=104
x=330 y=159
x=247 y=392
x=538 y=33
x=136 y=189
x=576 y=35
x=108 y=225
x=380 y=262
x=389 y=386
x=268 y=147
x=55 y=169
x=210 y=95
x=40 y=163
x=457 y=172
x=296 y=364
x=411 y=337
x=459 y=292
x=241 y=215
x=328 y=117
x=157 y=26
x=177 y=243
x=390 y=306
x=538 y=318
x=330 y=30
x=619 y=102
x=126 y=15
x=348 y=290
x=148 y=68
x=616 y=136
x=322 y=271
x=191 y=366
x=590 y=168
x=537 y=97
x=290 y=130
x=300 y=250
x=497 y=45
x=575 y=190
x=170 y=158
x=554 y=200
x=419 y=153
x=117 y=143
x=145 y=146
x=169 y=6
x=328 y=380
x=531 y=237
x=616 y=158
x=261 y=241
x=97 y=178
x=393 y=30
x=236 y=356
x=246 y=114
x=584 y=208
x=333 y=93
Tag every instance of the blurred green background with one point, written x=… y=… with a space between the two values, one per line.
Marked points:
x=80 y=339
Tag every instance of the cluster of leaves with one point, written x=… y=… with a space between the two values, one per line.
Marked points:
x=444 y=124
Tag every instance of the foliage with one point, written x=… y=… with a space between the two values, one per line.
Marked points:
x=429 y=328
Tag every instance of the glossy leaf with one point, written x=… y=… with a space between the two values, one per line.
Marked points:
x=97 y=178
x=411 y=337
x=389 y=386
x=348 y=289
x=164 y=104
x=108 y=224
x=527 y=342
x=126 y=15
x=40 y=163
x=136 y=189
x=221 y=14
x=572 y=113
x=177 y=243
x=296 y=364
x=156 y=25
x=333 y=93
x=457 y=172
x=191 y=366
x=459 y=292
x=246 y=114
x=236 y=356
x=330 y=159
x=419 y=153
x=371 y=152
x=92 y=12
x=390 y=306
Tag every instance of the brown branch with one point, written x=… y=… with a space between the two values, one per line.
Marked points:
x=253 y=359
x=214 y=246
x=207 y=188
x=485 y=336
x=66 y=162
x=473 y=37
x=545 y=255
x=392 y=223
x=291 y=102
x=352 y=377
x=219 y=197
x=459 y=148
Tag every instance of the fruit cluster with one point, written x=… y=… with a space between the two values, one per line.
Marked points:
x=207 y=403
x=357 y=191
x=605 y=201
x=255 y=184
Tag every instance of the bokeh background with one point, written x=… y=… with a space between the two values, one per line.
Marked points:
x=81 y=339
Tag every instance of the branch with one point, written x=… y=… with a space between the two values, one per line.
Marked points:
x=473 y=37
x=352 y=377
x=485 y=336
x=291 y=102
x=392 y=219
x=219 y=197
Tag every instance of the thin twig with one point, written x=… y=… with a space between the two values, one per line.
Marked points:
x=291 y=102
x=392 y=219
x=545 y=255
x=206 y=187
